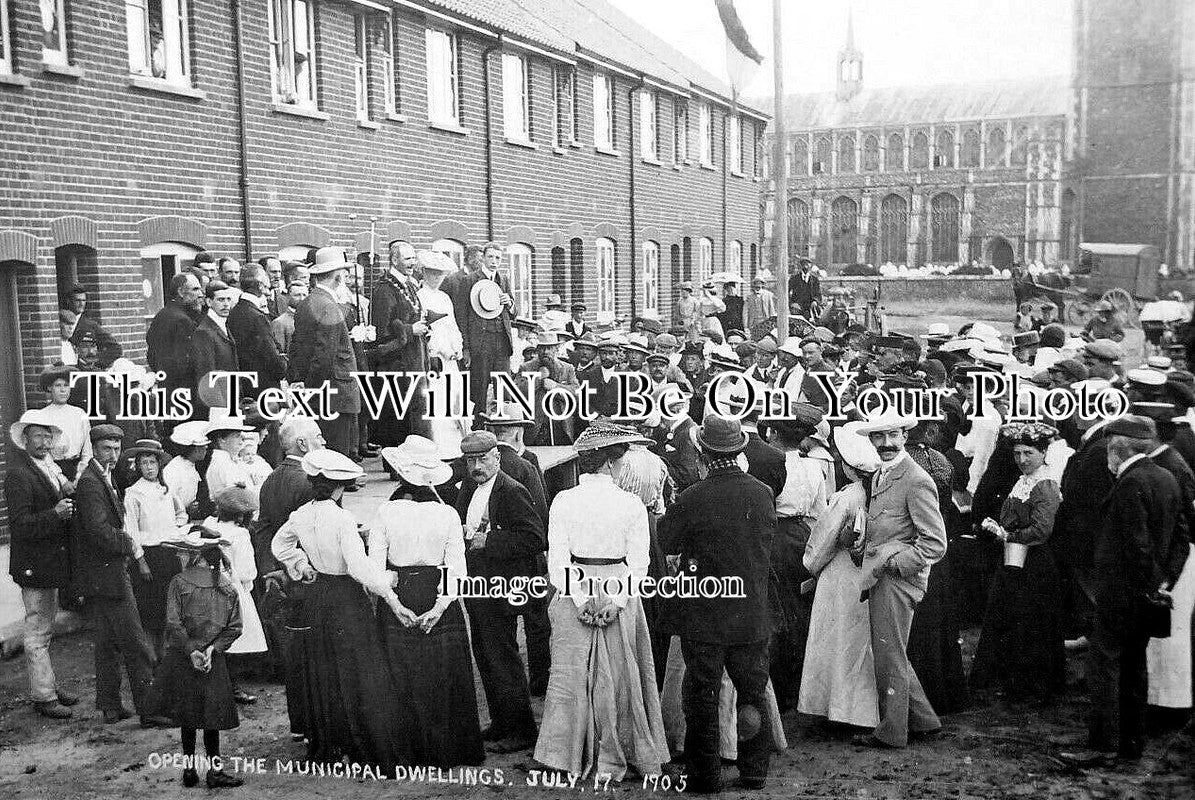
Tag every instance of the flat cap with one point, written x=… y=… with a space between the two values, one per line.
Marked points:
x=667 y=340
x=1160 y=412
x=1132 y=426
x=1144 y=376
x=106 y=431
x=766 y=346
x=1072 y=371
x=478 y=442
x=1026 y=339
x=1104 y=349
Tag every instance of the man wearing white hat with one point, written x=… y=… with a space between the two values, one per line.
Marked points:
x=40 y=508
x=321 y=350
x=905 y=536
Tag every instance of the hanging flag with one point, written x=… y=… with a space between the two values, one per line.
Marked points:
x=742 y=59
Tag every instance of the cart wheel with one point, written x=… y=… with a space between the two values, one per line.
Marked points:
x=1122 y=301
x=1077 y=313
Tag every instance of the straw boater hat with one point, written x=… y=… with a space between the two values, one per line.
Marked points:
x=190 y=434
x=554 y=301
x=418 y=461
x=605 y=434
x=146 y=447
x=331 y=465
x=52 y=373
x=486 y=299
x=857 y=451
x=329 y=259
x=888 y=421
x=34 y=416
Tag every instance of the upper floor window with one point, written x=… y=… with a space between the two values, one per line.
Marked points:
x=651 y=279
x=649 y=146
x=823 y=153
x=389 y=68
x=158 y=39
x=871 y=153
x=604 y=252
x=894 y=153
x=292 y=42
x=705 y=134
x=603 y=112
x=53 y=28
x=997 y=142
x=516 y=97
x=5 y=41
x=969 y=152
x=734 y=142
x=919 y=151
x=443 y=106
x=944 y=150
x=564 y=109
x=518 y=262
x=361 y=66
x=680 y=133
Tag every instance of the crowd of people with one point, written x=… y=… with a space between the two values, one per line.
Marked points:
x=208 y=550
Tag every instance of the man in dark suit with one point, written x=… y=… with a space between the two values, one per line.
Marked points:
x=1141 y=516
x=674 y=439
x=508 y=426
x=577 y=326
x=804 y=289
x=168 y=340
x=108 y=348
x=1085 y=483
x=488 y=343
x=101 y=556
x=397 y=314
x=249 y=327
x=322 y=350
x=505 y=538
x=764 y=462
x=600 y=379
x=40 y=507
x=212 y=346
x=554 y=373
x=723 y=528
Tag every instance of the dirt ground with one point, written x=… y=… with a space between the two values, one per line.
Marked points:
x=994 y=751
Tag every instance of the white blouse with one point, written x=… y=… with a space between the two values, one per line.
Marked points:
x=324 y=536
x=224 y=471
x=596 y=519
x=804 y=492
x=152 y=514
x=183 y=479
x=411 y=534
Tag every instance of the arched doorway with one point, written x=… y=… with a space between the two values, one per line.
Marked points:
x=1000 y=253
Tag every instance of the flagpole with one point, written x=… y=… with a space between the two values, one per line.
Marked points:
x=779 y=180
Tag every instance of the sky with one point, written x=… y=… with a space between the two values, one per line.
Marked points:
x=904 y=42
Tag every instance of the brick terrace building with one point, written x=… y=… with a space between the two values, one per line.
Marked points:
x=137 y=133
x=1131 y=166
x=940 y=174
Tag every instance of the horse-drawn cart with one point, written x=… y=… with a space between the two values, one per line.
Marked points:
x=1125 y=275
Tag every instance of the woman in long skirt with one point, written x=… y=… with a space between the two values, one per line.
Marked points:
x=1020 y=651
x=838 y=679
x=602 y=708
x=416 y=537
x=345 y=688
x=152 y=515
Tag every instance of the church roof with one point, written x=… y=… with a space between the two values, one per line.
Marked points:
x=916 y=105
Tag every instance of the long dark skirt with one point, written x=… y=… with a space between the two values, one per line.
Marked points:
x=151 y=595
x=433 y=676
x=974 y=563
x=1021 y=647
x=791 y=610
x=194 y=699
x=934 y=643
x=344 y=686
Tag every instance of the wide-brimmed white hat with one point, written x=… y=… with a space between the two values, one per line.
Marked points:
x=418 y=462
x=434 y=261
x=331 y=465
x=330 y=259
x=792 y=346
x=34 y=416
x=857 y=451
x=486 y=299
x=190 y=434
x=888 y=421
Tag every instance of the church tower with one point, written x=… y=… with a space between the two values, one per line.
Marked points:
x=850 y=64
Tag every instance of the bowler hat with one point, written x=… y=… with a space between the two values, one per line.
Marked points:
x=721 y=435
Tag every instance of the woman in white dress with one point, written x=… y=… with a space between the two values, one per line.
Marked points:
x=838 y=677
x=445 y=347
x=235 y=507
x=602 y=708
x=225 y=467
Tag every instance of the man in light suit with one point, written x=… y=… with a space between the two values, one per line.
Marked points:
x=488 y=343
x=322 y=350
x=905 y=537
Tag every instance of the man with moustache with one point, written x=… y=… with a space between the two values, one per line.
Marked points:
x=283 y=326
x=229 y=271
x=249 y=327
x=554 y=373
x=505 y=538
x=275 y=290
x=905 y=536
x=397 y=314
x=168 y=341
x=600 y=378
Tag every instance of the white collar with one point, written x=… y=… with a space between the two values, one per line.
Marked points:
x=1025 y=483
x=1087 y=434
x=296 y=459
x=1161 y=449
x=888 y=466
x=1128 y=462
x=489 y=275
x=221 y=322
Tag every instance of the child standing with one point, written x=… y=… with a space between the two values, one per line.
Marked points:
x=203 y=618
